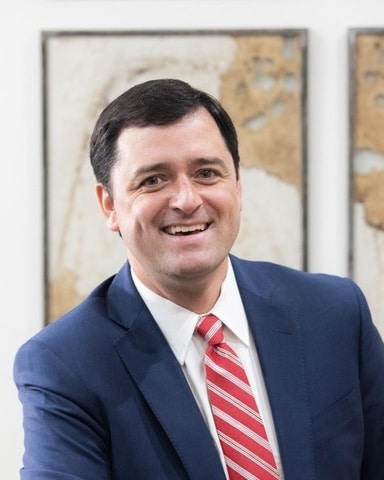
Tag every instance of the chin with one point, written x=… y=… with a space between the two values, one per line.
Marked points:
x=197 y=266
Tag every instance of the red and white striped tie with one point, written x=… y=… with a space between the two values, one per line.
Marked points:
x=241 y=431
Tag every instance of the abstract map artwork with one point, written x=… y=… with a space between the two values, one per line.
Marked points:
x=367 y=162
x=259 y=76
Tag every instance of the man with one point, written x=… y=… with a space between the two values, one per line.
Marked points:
x=116 y=389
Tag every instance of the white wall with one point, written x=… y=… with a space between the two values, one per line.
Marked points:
x=21 y=153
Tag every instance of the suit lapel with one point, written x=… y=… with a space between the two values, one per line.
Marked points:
x=276 y=331
x=151 y=363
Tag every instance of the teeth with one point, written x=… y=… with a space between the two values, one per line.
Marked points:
x=185 y=229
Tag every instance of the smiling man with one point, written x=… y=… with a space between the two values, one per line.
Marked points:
x=174 y=195
x=190 y=363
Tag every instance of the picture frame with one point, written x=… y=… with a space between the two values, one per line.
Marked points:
x=366 y=152
x=260 y=76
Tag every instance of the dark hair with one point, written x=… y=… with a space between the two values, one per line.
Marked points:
x=155 y=102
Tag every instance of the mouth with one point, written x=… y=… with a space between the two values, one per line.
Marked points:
x=185 y=229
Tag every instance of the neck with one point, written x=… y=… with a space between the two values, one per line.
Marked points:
x=198 y=294
x=199 y=300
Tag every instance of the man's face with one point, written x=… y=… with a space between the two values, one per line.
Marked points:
x=175 y=200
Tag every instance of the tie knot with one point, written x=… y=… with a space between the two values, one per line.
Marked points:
x=211 y=328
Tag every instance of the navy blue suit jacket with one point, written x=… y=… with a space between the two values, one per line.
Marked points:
x=104 y=398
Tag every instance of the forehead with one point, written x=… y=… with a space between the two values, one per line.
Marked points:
x=196 y=134
x=198 y=118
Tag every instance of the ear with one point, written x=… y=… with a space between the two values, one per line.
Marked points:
x=107 y=206
x=240 y=191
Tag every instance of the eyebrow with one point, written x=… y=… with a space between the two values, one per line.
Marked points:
x=206 y=161
x=144 y=170
x=163 y=166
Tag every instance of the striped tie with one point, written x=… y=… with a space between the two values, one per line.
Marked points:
x=240 y=428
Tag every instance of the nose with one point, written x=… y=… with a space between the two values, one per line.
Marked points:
x=185 y=196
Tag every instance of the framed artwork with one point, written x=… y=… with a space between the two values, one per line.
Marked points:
x=366 y=52
x=260 y=78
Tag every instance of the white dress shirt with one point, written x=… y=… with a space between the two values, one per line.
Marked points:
x=178 y=326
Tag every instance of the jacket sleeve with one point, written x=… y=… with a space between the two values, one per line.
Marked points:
x=64 y=439
x=372 y=392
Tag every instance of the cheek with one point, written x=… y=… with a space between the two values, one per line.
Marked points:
x=232 y=201
x=138 y=215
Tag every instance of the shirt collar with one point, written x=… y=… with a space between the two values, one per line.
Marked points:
x=178 y=324
x=229 y=308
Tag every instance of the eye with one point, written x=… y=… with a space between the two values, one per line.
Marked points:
x=207 y=174
x=151 y=181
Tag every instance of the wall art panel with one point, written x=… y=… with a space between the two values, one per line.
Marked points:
x=366 y=47
x=259 y=76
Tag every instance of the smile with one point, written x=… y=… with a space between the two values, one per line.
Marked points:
x=185 y=229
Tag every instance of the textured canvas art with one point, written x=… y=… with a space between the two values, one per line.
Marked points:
x=259 y=76
x=367 y=160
